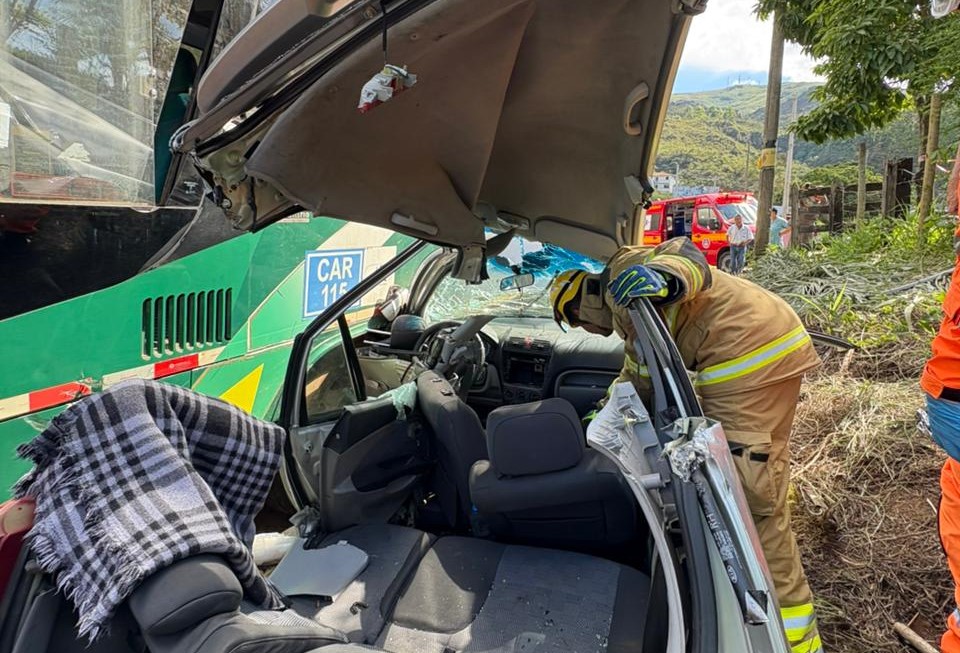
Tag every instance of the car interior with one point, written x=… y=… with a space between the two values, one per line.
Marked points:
x=456 y=460
x=489 y=523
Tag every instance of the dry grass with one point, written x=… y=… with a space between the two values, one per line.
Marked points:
x=865 y=496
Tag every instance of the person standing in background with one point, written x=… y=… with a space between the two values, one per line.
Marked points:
x=740 y=237
x=779 y=227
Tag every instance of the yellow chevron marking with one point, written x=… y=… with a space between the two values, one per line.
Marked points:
x=242 y=393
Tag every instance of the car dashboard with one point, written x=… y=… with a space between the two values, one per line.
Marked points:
x=529 y=360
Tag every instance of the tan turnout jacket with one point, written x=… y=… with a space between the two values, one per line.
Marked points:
x=732 y=333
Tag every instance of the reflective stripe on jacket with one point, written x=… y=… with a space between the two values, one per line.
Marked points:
x=732 y=333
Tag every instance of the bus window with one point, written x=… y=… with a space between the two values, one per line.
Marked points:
x=81 y=89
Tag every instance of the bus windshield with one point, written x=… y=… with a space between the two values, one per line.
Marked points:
x=82 y=88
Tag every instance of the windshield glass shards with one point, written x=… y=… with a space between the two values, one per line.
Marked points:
x=456 y=300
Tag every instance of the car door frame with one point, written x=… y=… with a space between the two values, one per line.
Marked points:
x=711 y=595
x=292 y=415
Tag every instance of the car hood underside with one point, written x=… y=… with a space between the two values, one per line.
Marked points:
x=540 y=115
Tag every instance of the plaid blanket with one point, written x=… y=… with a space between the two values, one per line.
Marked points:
x=130 y=480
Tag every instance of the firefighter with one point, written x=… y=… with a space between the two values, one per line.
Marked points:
x=749 y=352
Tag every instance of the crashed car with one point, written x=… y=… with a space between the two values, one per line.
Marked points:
x=450 y=449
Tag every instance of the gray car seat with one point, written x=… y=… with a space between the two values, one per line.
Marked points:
x=459 y=438
x=543 y=486
x=195 y=606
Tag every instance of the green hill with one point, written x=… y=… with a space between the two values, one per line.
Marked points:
x=715 y=137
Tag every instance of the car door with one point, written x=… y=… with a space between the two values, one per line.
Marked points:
x=353 y=456
x=736 y=602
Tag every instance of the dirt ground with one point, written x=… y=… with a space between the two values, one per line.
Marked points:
x=865 y=493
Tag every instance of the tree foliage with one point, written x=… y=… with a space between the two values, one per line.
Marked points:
x=838 y=173
x=878 y=57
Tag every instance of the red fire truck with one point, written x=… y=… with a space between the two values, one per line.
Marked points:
x=704 y=219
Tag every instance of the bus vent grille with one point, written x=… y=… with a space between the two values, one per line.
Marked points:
x=175 y=324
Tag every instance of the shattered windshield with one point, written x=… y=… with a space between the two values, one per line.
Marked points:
x=456 y=300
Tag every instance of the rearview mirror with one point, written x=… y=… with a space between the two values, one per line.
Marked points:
x=516 y=282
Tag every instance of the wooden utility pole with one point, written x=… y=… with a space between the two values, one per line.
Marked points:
x=930 y=164
x=788 y=168
x=771 y=125
x=861 y=180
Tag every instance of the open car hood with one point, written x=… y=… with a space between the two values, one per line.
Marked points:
x=537 y=115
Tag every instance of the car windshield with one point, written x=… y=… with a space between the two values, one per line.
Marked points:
x=744 y=209
x=456 y=300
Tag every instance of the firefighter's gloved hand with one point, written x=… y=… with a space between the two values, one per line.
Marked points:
x=637 y=281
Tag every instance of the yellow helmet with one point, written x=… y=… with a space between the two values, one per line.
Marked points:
x=565 y=288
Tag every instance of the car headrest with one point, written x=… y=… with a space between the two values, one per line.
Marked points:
x=535 y=438
x=187 y=592
x=405 y=331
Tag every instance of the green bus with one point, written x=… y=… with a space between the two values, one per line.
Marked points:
x=99 y=284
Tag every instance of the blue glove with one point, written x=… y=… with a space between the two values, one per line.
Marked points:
x=637 y=281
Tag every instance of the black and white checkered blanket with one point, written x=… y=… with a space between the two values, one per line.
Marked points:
x=130 y=480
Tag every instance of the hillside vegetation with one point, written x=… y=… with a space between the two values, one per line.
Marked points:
x=715 y=137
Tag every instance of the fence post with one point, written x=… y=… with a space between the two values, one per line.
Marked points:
x=889 y=196
x=861 y=180
x=836 y=206
x=904 y=180
x=796 y=238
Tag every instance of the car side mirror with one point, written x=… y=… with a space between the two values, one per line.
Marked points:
x=714 y=224
x=516 y=282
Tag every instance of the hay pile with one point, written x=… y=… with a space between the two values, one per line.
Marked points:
x=865 y=481
x=864 y=510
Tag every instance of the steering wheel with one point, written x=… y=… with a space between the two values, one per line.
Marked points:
x=430 y=333
x=467 y=358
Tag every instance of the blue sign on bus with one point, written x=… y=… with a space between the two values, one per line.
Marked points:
x=328 y=275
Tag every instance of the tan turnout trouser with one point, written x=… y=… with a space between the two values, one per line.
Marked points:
x=761 y=420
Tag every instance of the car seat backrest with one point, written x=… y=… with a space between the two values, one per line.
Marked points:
x=196 y=606
x=543 y=486
x=535 y=438
x=459 y=438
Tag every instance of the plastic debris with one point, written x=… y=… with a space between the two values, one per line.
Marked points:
x=269 y=548
x=404 y=398
x=385 y=85
x=613 y=427
x=686 y=456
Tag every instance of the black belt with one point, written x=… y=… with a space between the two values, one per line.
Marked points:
x=950 y=394
x=754 y=455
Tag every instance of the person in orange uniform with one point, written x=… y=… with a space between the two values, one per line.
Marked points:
x=747 y=378
x=941 y=383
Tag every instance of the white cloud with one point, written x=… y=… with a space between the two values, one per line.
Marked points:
x=728 y=37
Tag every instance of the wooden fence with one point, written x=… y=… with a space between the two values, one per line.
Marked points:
x=827 y=209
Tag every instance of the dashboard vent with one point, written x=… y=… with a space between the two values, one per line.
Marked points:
x=173 y=324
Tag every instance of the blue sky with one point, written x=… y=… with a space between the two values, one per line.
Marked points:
x=727 y=45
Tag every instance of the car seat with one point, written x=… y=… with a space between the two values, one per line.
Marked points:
x=459 y=439
x=195 y=606
x=543 y=486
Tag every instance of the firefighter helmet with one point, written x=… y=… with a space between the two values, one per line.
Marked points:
x=564 y=289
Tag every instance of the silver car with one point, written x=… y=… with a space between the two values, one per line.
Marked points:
x=497 y=523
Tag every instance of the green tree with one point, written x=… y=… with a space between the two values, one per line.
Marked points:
x=878 y=57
